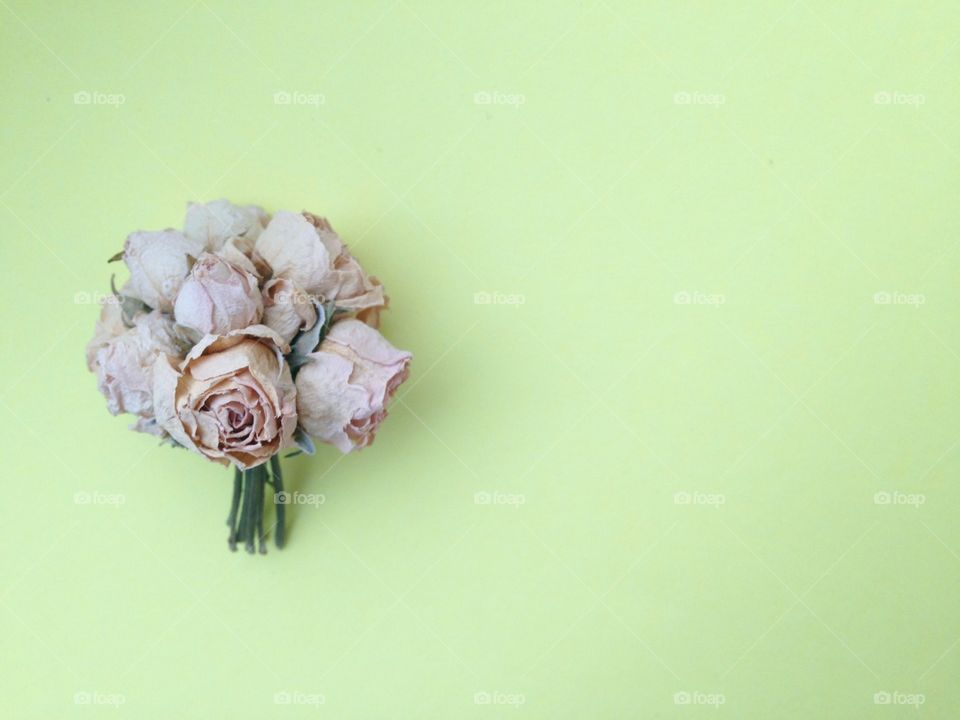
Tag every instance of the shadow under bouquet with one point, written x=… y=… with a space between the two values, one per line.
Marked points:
x=242 y=336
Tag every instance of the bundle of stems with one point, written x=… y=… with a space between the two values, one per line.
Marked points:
x=246 y=507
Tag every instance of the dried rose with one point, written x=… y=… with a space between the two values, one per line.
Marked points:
x=287 y=309
x=158 y=263
x=218 y=297
x=232 y=399
x=124 y=363
x=109 y=325
x=343 y=388
x=214 y=223
x=347 y=283
x=303 y=248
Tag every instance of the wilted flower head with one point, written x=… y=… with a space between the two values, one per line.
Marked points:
x=109 y=325
x=218 y=297
x=158 y=263
x=303 y=248
x=343 y=389
x=213 y=223
x=124 y=363
x=231 y=399
x=287 y=309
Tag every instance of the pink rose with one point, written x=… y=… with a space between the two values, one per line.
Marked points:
x=304 y=249
x=218 y=297
x=232 y=399
x=109 y=325
x=124 y=364
x=214 y=223
x=343 y=388
x=286 y=308
x=158 y=263
x=347 y=283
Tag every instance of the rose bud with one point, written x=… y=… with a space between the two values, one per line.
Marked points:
x=343 y=388
x=218 y=297
x=286 y=308
x=124 y=364
x=213 y=223
x=158 y=263
x=231 y=399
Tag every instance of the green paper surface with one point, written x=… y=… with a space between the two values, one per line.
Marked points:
x=680 y=437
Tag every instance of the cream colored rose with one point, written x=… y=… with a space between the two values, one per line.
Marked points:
x=214 y=223
x=158 y=263
x=347 y=283
x=287 y=309
x=109 y=325
x=218 y=297
x=232 y=398
x=343 y=388
x=124 y=363
x=304 y=249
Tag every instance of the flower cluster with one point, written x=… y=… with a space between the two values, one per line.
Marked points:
x=243 y=335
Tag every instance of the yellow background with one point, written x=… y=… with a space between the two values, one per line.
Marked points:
x=699 y=447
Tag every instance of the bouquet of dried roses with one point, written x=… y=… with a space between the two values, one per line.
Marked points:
x=243 y=336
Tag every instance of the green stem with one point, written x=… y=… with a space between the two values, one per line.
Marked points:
x=258 y=507
x=234 y=507
x=247 y=516
x=278 y=502
x=246 y=507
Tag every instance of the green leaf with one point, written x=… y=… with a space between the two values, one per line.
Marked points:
x=304 y=441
